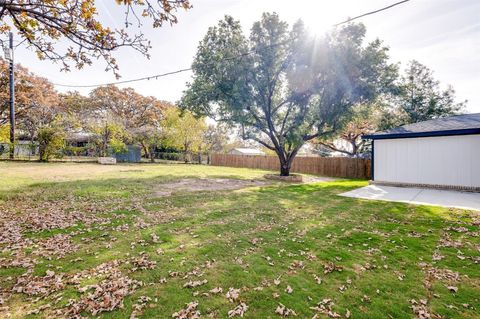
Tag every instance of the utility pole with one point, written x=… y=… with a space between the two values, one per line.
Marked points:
x=12 y=97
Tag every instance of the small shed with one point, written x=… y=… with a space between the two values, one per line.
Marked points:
x=246 y=151
x=132 y=154
x=439 y=153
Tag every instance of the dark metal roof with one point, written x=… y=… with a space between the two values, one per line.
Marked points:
x=464 y=124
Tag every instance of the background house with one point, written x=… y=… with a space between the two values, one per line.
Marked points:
x=442 y=153
x=246 y=151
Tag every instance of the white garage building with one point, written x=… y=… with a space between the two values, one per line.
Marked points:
x=440 y=153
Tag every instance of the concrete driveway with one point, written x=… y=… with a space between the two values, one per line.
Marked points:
x=420 y=196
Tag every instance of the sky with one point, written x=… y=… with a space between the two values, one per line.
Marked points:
x=442 y=34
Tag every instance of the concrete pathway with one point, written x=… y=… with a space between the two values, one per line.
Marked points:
x=445 y=198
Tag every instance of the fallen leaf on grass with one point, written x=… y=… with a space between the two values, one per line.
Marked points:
x=106 y=296
x=447 y=241
x=441 y=274
x=415 y=234
x=189 y=312
x=139 y=306
x=155 y=238
x=297 y=264
x=277 y=281
x=325 y=307
x=238 y=310
x=233 y=294
x=452 y=289
x=400 y=276
x=193 y=284
x=284 y=311
x=330 y=267
x=142 y=263
x=420 y=309
x=255 y=241
x=216 y=290
x=437 y=256
x=366 y=298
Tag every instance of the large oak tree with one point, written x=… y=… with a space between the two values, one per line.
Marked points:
x=282 y=86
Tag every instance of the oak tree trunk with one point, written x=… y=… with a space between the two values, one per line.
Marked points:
x=152 y=156
x=285 y=165
x=42 y=152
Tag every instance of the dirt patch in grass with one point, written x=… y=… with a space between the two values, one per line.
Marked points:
x=206 y=184
x=219 y=184
x=316 y=179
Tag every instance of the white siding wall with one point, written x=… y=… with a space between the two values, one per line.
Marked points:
x=443 y=160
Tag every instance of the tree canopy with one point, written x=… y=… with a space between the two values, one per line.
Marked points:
x=31 y=92
x=364 y=119
x=416 y=96
x=42 y=23
x=282 y=86
x=421 y=98
x=132 y=110
x=183 y=131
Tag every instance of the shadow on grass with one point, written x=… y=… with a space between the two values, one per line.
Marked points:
x=129 y=187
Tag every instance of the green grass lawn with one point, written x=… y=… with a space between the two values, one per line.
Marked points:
x=90 y=240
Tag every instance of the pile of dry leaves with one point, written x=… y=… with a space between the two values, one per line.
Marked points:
x=104 y=296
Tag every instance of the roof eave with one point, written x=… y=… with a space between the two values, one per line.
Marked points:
x=421 y=134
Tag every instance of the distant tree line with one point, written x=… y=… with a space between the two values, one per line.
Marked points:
x=111 y=117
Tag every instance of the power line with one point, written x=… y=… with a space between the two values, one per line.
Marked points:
x=125 y=81
x=165 y=74
x=372 y=12
x=20 y=43
x=151 y=77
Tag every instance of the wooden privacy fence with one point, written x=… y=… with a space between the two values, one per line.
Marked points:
x=325 y=166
